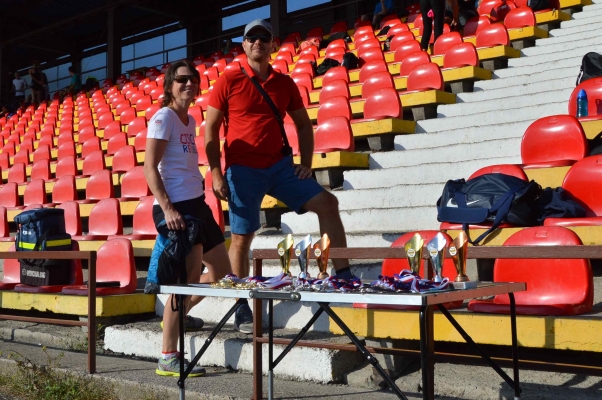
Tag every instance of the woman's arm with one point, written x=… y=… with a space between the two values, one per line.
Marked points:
x=455 y=11
x=153 y=155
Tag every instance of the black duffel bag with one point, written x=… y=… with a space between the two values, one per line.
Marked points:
x=495 y=198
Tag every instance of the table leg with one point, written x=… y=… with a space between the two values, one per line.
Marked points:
x=270 y=349
x=362 y=349
x=257 y=350
x=427 y=344
x=181 y=312
x=517 y=389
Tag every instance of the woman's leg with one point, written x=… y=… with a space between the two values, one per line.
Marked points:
x=439 y=10
x=425 y=6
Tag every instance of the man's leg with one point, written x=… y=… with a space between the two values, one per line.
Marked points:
x=326 y=206
x=239 y=253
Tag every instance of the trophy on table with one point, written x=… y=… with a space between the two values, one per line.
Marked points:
x=285 y=251
x=458 y=250
x=413 y=250
x=436 y=249
x=321 y=250
x=303 y=253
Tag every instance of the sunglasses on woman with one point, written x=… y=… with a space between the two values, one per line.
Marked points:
x=262 y=38
x=186 y=78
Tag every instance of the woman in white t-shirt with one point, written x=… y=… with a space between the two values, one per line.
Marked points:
x=172 y=172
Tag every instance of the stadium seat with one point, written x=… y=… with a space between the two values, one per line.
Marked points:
x=12 y=273
x=337 y=106
x=127 y=116
x=99 y=186
x=195 y=111
x=315 y=33
x=21 y=157
x=151 y=111
x=17 y=174
x=486 y=6
x=553 y=141
x=76 y=277
x=9 y=195
x=304 y=68
x=340 y=26
x=124 y=159
x=4 y=161
x=199 y=142
x=115 y=143
x=506 y=169
x=580 y=181
x=304 y=92
x=397 y=29
x=114 y=262
x=211 y=73
x=377 y=81
x=213 y=202
x=66 y=149
x=337 y=43
x=280 y=66
x=136 y=126
x=293 y=139
x=425 y=77
x=143 y=225
x=35 y=192
x=519 y=18
x=133 y=184
x=4 y=230
x=402 y=38
x=445 y=41
x=90 y=145
x=41 y=170
x=392 y=266
x=371 y=67
x=73 y=222
x=461 y=55
x=413 y=60
x=334 y=88
x=104 y=221
x=304 y=79
x=104 y=120
x=593 y=88
x=383 y=103
x=140 y=140
x=66 y=165
x=310 y=50
x=500 y=10
x=64 y=190
x=370 y=54
x=335 y=73
x=493 y=35
x=334 y=134
x=563 y=287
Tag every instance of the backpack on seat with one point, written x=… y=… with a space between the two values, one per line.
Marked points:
x=591 y=67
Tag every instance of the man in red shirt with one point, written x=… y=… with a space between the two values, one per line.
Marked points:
x=255 y=163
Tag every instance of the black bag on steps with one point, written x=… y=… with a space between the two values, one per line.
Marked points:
x=591 y=67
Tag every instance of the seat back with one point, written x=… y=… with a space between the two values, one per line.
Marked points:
x=35 y=192
x=461 y=55
x=133 y=183
x=560 y=282
x=401 y=38
x=100 y=185
x=583 y=181
x=371 y=67
x=334 y=134
x=9 y=196
x=412 y=60
x=73 y=222
x=4 y=230
x=393 y=266
x=143 y=223
x=377 y=81
x=105 y=218
x=445 y=41
x=506 y=169
x=115 y=143
x=16 y=173
x=493 y=35
x=41 y=170
x=334 y=88
x=383 y=103
x=66 y=166
x=124 y=159
x=91 y=145
x=337 y=106
x=94 y=162
x=520 y=18
x=115 y=262
x=593 y=88
x=335 y=73
x=12 y=269
x=554 y=138
x=64 y=189
x=425 y=77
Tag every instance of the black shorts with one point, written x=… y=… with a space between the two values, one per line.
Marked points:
x=212 y=234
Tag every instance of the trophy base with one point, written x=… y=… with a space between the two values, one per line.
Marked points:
x=323 y=275
x=465 y=285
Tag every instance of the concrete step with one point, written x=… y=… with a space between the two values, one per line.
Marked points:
x=543 y=59
x=496 y=117
x=535 y=95
x=517 y=70
x=463 y=135
x=391 y=197
x=234 y=350
x=502 y=92
x=565 y=38
x=577 y=42
x=588 y=20
x=569 y=30
x=453 y=153
x=520 y=80
x=420 y=174
x=587 y=10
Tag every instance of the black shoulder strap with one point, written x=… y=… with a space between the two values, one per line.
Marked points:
x=286 y=148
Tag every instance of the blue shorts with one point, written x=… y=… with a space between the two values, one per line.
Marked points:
x=248 y=186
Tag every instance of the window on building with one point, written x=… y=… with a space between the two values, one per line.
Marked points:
x=296 y=5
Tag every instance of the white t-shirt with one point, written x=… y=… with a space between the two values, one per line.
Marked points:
x=179 y=167
x=20 y=86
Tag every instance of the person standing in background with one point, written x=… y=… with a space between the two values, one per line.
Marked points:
x=19 y=86
x=435 y=10
x=37 y=84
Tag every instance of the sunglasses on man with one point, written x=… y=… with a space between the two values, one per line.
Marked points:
x=185 y=78
x=262 y=38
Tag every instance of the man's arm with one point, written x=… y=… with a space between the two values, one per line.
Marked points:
x=455 y=11
x=213 y=121
x=305 y=132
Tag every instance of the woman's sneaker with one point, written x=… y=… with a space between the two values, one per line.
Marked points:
x=191 y=324
x=243 y=319
x=171 y=367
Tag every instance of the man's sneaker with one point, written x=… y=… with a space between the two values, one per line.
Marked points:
x=243 y=319
x=171 y=367
x=191 y=324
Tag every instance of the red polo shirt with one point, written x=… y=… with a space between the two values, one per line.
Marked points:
x=253 y=137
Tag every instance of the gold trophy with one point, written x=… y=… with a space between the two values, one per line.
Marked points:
x=413 y=250
x=457 y=251
x=285 y=251
x=436 y=249
x=303 y=253
x=321 y=250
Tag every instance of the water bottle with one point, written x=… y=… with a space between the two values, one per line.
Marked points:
x=582 y=104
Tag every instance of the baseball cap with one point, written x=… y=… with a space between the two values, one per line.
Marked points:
x=258 y=22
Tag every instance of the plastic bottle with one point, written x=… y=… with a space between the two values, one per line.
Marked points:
x=581 y=104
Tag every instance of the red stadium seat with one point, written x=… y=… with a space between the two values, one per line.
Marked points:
x=500 y=10
x=133 y=184
x=336 y=53
x=124 y=159
x=104 y=221
x=199 y=142
x=553 y=141
x=334 y=88
x=377 y=81
x=220 y=65
x=506 y=169
x=446 y=41
x=292 y=136
x=64 y=189
x=143 y=225
x=12 y=273
x=580 y=181
x=461 y=55
x=413 y=60
x=493 y=35
x=315 y=33
x=290 y=47
x=213 y=202
x=486 y=6
x=196 y=112
x=116 y=142
x=114 y=262
x=140 y=140
x=383 y=103
x=337 y=106
x=41 y=170
x=136 y=126
x=304 y=92
x=66 y=165
x=371 y=67
x=17 y=174
x=337 y=43
x=371 y=54
x=446 y=29
x=401 y=38
x=593 y=88
x=556 y=293
x=304 y=68
x=285 y=56
x=203 y=101
x=4 y=232
x=280 y=66
x=9 y=195
x=310 y=50
x=520 y=18
x=144 y=102
x=35 y=192
x=91 y=145
x=111 y=130
x=104 y=120
x=73 y=222
x=22 y=157
x=66 y=149
x=340 y=26
x=304 y=79
x=425 y=77
x=397 y=29
x=334 y=134
x=127 y=116
x=335 y=73
x=211 y=73
x=151 y=111
x=99 y=186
